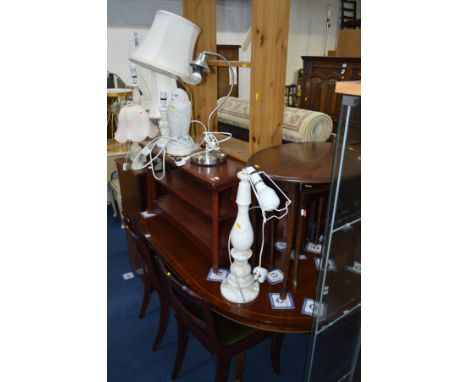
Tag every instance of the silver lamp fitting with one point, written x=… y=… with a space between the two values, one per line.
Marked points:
x=199 y=66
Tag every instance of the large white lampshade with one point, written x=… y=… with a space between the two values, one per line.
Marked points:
x=168 y=46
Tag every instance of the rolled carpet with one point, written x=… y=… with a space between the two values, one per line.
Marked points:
x=299 y=125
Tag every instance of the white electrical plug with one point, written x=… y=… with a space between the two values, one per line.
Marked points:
x=180 y=161
x=260 y=274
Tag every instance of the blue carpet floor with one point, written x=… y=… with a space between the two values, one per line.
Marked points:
x=129 y=339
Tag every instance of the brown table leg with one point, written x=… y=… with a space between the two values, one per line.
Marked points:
x=319 y=217
x=293 y=191
x=215 y=230
x=302 y=216
x=151 y=191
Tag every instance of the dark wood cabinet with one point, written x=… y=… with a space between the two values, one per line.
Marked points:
x=319 y=80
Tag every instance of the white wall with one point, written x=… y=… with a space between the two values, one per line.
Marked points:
x=306 y=26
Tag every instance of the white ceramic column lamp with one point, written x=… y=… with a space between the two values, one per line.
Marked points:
x=241 y=286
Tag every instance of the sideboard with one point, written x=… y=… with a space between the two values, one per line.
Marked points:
x=319 y=79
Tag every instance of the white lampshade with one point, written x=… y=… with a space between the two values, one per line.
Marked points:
x=168 y=46
x=160 y=83
x=134 y=125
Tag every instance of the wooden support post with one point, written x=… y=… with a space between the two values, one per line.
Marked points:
x=203 y=14
x=270 y=28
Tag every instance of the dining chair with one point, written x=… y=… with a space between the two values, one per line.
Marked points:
x=151 y=276
x=222 y=337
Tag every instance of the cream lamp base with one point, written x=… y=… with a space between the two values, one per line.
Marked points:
x=138 y=161
x=240 y=286
x=181 y=147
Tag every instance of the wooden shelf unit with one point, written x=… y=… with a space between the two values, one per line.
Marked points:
x=195 y=226
x=200 y=202
x=193 y=194
x=269 y=46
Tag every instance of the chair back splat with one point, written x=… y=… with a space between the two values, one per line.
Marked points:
x=194 y=310
x=222 y=337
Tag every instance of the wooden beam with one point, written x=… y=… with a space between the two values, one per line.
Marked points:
x=236 y=64
x=270 y=28
x=203 y=14
x=236 y=148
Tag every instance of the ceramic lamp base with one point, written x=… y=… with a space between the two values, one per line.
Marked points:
x=181 y=148
x=240 y=286
x=233 y=293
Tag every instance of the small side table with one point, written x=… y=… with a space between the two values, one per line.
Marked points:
x=302 y=168
x=114 y=96
x=113 y=186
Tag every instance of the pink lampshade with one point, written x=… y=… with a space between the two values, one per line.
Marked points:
x=134 y=125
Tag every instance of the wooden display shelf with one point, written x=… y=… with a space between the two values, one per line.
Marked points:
x=197 y=197
x=234 y=64
x=236 y=149
x=207 y=195
x=196 y=227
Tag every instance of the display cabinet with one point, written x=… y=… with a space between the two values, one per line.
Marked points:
x=334 y=347
x=321 y=76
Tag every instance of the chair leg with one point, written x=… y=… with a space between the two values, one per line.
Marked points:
x=146 y=297
x=222 y=368
x=112 y=200
x=276 y=342
x=163 y=321
x=239 y=367
x=181 y=346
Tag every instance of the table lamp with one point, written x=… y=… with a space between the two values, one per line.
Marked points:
x=135 y=126
x=168 y=50
x=241 y=286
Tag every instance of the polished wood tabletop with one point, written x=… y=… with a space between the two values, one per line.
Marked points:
x=304 y=162
x=192 y=266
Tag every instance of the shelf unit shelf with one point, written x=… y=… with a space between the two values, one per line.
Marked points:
x=200 y=202
x=191 y=224
x=198 y=197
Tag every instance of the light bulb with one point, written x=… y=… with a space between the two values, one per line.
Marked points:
x=196 y=78
x=267 y=197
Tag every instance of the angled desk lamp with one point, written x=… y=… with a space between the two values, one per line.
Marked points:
x=241 y=286
x=168 y=52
